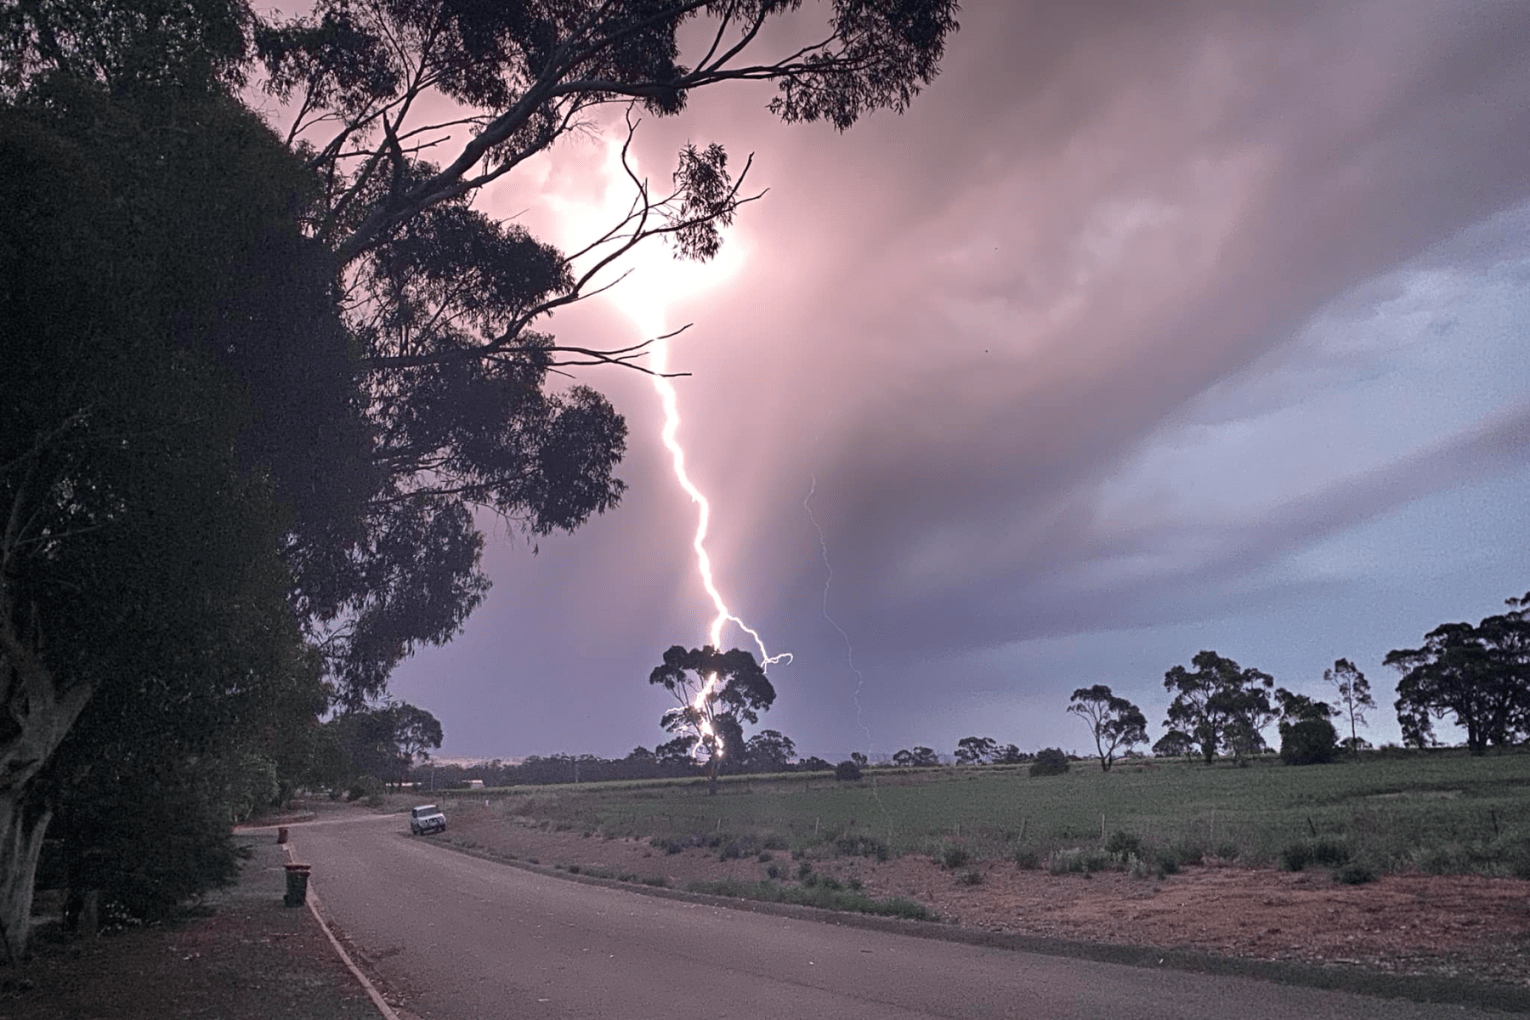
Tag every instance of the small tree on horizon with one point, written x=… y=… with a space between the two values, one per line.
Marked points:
x=1115 y=723
x=975 y=750
x=1354 y=697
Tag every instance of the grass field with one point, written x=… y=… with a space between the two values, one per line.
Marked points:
x=1436 y=811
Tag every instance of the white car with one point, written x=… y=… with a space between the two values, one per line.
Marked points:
x=426 y=818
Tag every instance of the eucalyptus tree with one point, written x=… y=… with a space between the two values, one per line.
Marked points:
x=717 y=693
x=1115 y=723
x=338 y=357
x=976 y=750
x=1478 y=674
x=1219 y=705
x=1354 y=692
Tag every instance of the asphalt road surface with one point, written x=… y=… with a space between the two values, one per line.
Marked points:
x=464 y=938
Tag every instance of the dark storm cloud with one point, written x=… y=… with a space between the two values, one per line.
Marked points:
x=1066 y=348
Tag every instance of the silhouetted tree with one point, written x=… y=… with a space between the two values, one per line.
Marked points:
x=1174 y=744
x=769 y=751
x=1354 y=692
x=718 y=692
x=1050 y=761
x=1480 y=675
x=1115 y=723
x=1220 y=704
x=416 y=732
x=1307 y=736
x=975 y=750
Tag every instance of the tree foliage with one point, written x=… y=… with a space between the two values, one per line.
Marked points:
x=717 y=693
x=975 y=750
x=1307 y=734
x=1354 y=692
x=239 y=365
x=140 y=565
x=769 y=751
x=1479 y=674
x=1219 y=705
x=1115 y=723
x=1050 y=761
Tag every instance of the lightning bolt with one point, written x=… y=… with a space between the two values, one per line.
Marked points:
x=860 y=678
x=669 y=435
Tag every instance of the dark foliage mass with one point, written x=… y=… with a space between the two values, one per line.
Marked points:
x=1479 y=675
x=717 y=693
x=1116 y=724
x=1219 y=705
x=258 y=384
x=1050 y=761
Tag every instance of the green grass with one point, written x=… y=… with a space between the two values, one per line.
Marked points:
x=1438 y=811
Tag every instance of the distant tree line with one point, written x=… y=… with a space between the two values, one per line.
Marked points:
x=768 y=751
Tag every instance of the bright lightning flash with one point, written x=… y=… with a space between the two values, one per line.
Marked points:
x=657 y=280
x=669 y=435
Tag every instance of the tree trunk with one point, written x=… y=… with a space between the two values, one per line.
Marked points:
x=712 y=777
x=38 y=716
x=22 y=827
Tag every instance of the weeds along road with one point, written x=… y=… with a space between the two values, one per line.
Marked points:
x=462 y=938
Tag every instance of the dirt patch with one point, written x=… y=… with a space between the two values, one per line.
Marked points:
x=1427 y=925
x=249 y=958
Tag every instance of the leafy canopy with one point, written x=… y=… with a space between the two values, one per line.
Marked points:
x=1219 y=705
x=1115 y=723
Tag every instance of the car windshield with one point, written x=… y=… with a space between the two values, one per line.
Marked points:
x=428 y=809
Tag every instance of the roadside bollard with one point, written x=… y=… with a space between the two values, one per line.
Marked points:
x=281 y=834
x=297 y=884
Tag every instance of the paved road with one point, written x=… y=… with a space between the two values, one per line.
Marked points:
x=467 y=939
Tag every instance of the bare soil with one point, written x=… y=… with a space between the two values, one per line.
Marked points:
x=244 y=957
x=1459 y=926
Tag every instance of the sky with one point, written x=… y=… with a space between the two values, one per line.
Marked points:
x=1148 y=329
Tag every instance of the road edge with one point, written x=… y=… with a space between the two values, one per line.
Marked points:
x=312 y=902
x=1337 y=978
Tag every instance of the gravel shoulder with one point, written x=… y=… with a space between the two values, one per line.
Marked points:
x=246 y=957
x=1449 y=927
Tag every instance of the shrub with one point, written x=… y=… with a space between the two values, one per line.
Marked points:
x=1308 y=742
x=1050 y=761
x=821 y=896
x=952 y=856
x=1027 y=858
x=1077 y=860
x=804 y=870
x=764 y=856
x=774 y=871
x=861 y=846
x=1354 y=873
x=1124 y=844
x=1324 y=850
x=972 y=876
x=847 y=772
x=369 y=787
